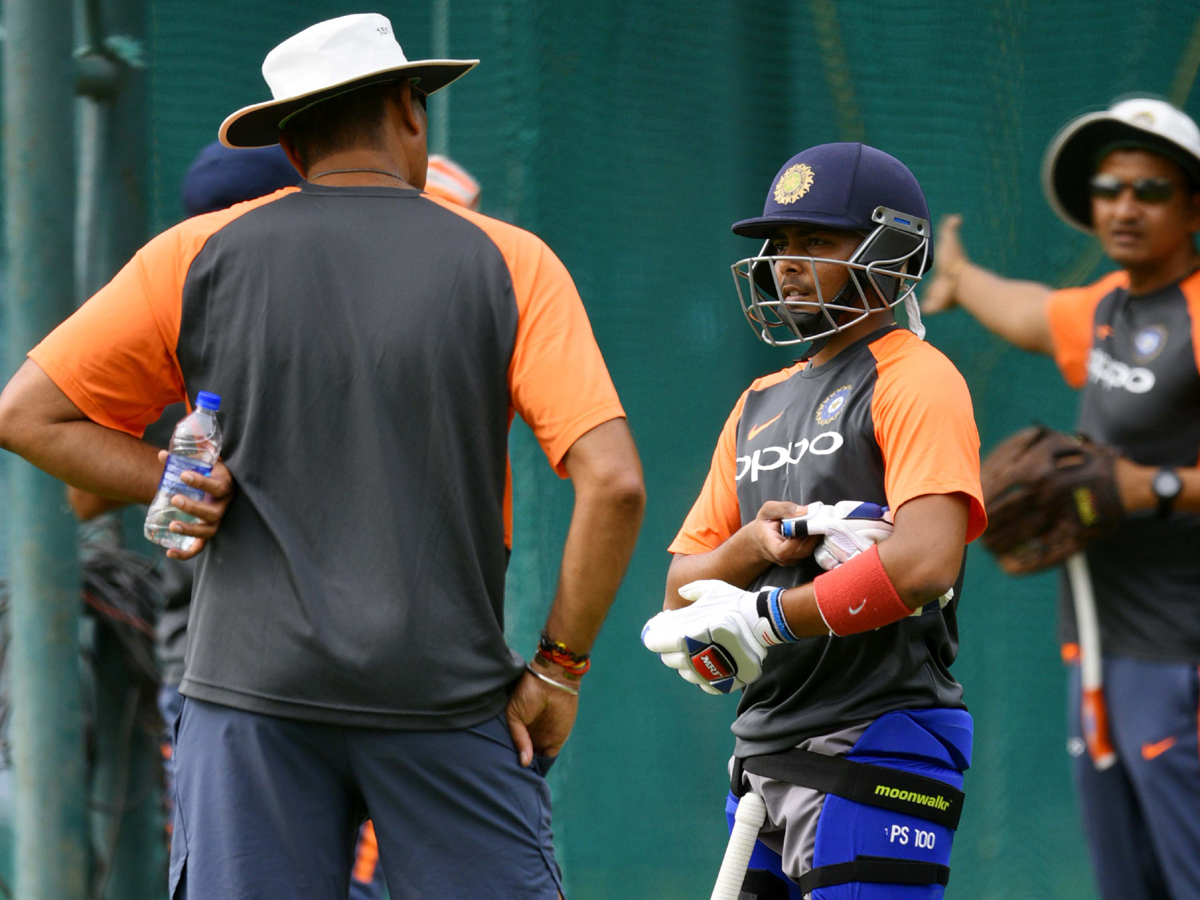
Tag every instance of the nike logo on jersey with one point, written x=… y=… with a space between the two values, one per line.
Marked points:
x=1152 y=751
x=757 y=429
x=768 y=458
x=1114 y=374
x=855 y=610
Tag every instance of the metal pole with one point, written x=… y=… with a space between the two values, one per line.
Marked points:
x=39 y=165
x=128 y=838
x=439 y=103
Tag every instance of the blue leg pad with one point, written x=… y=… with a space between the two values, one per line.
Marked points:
x=935 y=743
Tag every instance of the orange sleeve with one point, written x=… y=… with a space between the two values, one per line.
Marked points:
x=115 y=357
x=1071 y=313
x=560 y=385
x=557 y=378
x=716 y=515
x=925 y=426
x=1191 y=292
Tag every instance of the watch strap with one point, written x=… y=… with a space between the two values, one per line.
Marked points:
x=1166 y=502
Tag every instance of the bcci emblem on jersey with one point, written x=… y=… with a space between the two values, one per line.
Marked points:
x=831 y=407
x=1149 y=342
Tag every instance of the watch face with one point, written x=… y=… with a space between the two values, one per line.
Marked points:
x=1166 y=485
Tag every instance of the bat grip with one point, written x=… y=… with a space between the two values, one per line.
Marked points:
x=747 y=821
x=796 y=527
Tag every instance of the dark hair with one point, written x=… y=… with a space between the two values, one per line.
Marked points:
x=353 y=119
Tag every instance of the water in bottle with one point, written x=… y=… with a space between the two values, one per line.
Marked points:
x=195 y=447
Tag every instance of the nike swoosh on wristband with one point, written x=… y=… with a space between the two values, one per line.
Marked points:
x=757 y=429
x=855 y=610
x=1151 y=751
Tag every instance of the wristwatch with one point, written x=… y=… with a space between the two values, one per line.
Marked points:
x=1167 y=487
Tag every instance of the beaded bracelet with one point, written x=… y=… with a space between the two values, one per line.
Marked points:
x=576 y=664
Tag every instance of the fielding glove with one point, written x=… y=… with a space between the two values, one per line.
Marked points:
x=850 y=527
x=720 y=641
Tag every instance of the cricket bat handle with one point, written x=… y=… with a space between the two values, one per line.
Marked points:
x=1094 y=713
x=794 y=527
x=747 y=821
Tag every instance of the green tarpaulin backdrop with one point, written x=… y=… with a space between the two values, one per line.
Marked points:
x=629 y=137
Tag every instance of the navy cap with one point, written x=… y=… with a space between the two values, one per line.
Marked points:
x=837 y=186
x=220 y=177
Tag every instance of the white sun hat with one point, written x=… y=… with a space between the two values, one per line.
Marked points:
x=1072 y=157
x=328 y=59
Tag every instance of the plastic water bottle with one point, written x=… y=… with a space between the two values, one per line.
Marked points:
x=195 y=447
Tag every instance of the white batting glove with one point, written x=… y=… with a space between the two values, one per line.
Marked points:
x=720 y=641
x=850 y=527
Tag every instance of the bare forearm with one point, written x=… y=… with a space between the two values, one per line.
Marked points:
x=1014 y=310
x=87 y=505
x=914 y=583
x=40 y=423
x=1134 y=484
x=599 y=544
x=92 y=458
x=610 y=497
x=922 y=559
x=736 y=562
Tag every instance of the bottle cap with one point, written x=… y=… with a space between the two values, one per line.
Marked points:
x=206 y=400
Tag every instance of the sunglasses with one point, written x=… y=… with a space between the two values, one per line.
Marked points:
x=1146 y=190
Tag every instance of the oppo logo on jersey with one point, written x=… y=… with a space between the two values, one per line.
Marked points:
x=1111 y=373
x=767 y=458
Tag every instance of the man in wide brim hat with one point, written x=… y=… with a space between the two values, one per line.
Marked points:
x=1130 y=175
x=1135 y=123
x=372 y=343
x=326 y=60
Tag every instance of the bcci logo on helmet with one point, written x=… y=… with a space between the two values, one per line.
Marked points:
x=793 y=184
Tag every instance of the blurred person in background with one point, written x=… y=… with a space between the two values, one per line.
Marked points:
x=447 y=179
x=1130 y=342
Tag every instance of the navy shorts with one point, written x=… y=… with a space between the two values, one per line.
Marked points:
x=269 y=808
x=1142 y=816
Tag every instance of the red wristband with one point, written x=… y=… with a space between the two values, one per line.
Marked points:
x=858 y=596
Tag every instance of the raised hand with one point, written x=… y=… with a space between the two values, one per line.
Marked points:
x=937 y=293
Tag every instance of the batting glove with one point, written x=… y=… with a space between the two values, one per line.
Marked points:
x=850 y=527
x=721 y=640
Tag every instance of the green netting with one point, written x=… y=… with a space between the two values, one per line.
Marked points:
x=630 y=136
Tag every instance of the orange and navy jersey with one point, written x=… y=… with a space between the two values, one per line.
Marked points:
x=371 y=346
x=887 y=420
x=1137 y=361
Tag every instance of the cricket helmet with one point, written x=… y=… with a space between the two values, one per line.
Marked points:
x=848 y=187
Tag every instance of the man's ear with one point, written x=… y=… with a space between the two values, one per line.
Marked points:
x=412 y=114
x=293 y=157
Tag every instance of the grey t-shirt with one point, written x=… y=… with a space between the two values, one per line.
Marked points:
x=370 y=346
x=1136 y=361
x=887 y=420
